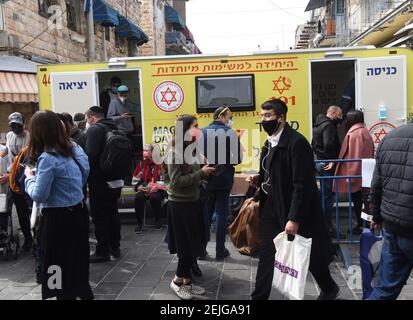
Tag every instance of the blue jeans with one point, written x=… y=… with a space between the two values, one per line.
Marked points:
x=328 y=191
x=218 y=206
x=396 y=264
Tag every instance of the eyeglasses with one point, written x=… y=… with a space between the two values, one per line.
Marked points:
x=267 y=115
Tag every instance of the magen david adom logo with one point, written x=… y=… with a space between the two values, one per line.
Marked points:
x=168 y=96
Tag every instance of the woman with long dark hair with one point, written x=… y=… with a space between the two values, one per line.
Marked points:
x=185 y=226
x=357 y=144
x=57 y=186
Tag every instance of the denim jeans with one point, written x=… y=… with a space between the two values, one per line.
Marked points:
x=328 y=191
x=396 y=264
x=218 y=206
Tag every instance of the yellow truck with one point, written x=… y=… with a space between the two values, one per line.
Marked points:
x=309 y=81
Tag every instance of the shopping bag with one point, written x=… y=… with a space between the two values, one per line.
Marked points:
x=292 y=260
x=370 y=254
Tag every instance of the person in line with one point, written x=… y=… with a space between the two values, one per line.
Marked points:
x=120 y=111
x=57 y=186
x=357 y=144
x=80 y=121
x=326 y=145
x=392 y=209
x=104 y=192
x=148 y=187
x=289 y=201
x=16 y=139
x=227 y=154
x=109 y=94
x=72 y=130
x=185 y=226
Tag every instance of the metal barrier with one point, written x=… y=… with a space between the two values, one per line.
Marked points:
x=335 y=178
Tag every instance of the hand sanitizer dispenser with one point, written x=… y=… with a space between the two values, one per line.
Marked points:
x=382 y=112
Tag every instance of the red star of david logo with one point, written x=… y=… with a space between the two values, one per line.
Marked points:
x=171 y=94
x=281 y=85
x=378 y=135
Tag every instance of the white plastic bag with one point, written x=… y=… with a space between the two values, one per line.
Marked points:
x=292 y=260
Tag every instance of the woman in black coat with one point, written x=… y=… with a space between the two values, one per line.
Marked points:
x=289 y=201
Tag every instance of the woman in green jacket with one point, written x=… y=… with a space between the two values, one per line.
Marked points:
x=184 y=206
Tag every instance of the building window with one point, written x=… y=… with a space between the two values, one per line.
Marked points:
x=44 y=5
x=107 y=33
x=216 y=91
x=340 y=6
x=73 y=16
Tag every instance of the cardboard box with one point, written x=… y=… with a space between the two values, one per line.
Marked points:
x=240 y=186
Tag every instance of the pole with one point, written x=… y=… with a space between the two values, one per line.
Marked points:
x=105 y=52
x=91 y=35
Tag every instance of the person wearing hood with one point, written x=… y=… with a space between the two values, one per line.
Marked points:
x=104 y=192
x=326 y=146
x=289 y=201
x=120 y=111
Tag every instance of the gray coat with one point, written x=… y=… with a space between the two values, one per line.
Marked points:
x=116 y=109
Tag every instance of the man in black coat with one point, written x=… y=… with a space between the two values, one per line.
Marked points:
x=326 y=145
x=289 y=201
x=391 y=205
x=104 y=191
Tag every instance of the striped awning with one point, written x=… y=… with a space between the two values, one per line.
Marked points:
x=18 y=87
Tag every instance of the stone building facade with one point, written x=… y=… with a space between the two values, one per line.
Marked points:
x=26 y=22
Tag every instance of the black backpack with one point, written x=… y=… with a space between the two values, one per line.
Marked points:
x=117 y=156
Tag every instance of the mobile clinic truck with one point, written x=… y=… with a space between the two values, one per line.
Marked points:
x=309 y=81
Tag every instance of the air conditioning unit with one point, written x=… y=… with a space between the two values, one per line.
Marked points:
x=4 y=40
x=14 y=41
x=8 y=41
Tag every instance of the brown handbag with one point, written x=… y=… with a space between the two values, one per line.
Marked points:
x=244 y=230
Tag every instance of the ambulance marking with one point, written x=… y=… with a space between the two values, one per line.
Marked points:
x=168 y=96
x=282 y=84
x=219 y=61
x=225 y=72
x=379 y=130
x=169 y=92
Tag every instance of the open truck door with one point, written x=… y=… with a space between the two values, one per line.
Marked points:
x=381 y=94
x=73 y=92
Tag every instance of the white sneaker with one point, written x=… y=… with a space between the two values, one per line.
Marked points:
x=195 y=289
x=181 y=291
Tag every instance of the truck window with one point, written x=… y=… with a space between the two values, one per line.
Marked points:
x=236 y=92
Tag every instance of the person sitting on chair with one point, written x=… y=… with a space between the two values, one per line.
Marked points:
x=149 y=187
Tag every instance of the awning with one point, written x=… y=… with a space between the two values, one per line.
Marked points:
x=130 y=30
x=315 y=4
x=174 y=18
x=18 y=87
x=188 y=34
x=105 y=14
x=399 y=41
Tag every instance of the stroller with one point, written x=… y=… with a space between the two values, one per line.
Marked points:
x=9 y=238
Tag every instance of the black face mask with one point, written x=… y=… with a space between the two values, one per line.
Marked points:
x=337 y=121
x=271 y=126
x=17 y=129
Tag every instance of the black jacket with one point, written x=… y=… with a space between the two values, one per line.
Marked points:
x=392 y=185
x=79 y=137
x=233 y=155
x=95 y=145
x=326 y=144
x=104 y=100
x=294 y=191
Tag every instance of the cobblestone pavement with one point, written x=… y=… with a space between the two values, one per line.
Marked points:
x=146 y=268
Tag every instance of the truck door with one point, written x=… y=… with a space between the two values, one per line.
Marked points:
x=73 y=92
x=381 y=94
